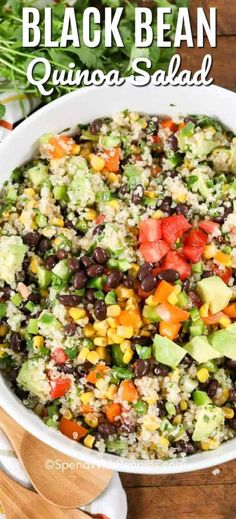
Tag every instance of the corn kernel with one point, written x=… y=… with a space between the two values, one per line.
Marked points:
x=58 y=222
x=91 y=215
x=102 y=352
x=89 y=331
x=224 y=321
x=29 y=191
x=172 y=299
x=180 y=197
x=67 y=414
x=183 y=405
x=124 y=345
x=209 y=444
x=3 y=330
x=113 y=310
x=209 y=251
x=2 y=350
x=91 y=420
x=101 y=384
x=75 y=149
x=38 y=341
x=223 y=259
x=150 y=194
x=33 y=266
x=86 y=397
x=128 y=355
x=204 y=310
x=100 y=341
x=220 y=400
x=89 y=441
x=44 y=292
x=125 y=332
x=202 y=375
x=82 y=357
x=93 y=357
x=101 y=328
x=76 y=313
x=164 y=443
x=151 y=400
x=150 y=301
x=124 y=293
x=177 y=419
x=111 y=392
x=114 y=204
x=112 y=322
x=158 y=214
x=228 y=412
x=111 y=177
x=134 y=269
x=150 y=423
x=97 y=163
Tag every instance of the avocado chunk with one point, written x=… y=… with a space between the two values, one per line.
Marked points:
x=44 y=277
x=200 y=349
x=38 y=174
x=32 y=378
x=209 y=418
x=80 y=190
x=61 y=270
x=224 y=341
x=214 y=291
x=48 y=324
x=201 y=398
x=12 y=253
x=167 y=352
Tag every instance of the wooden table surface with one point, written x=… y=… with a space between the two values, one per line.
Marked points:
x=201 y=494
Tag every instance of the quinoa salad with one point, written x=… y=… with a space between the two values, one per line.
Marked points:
x=117 y=284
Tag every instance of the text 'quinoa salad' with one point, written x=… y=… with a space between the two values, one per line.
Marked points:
x=117 y=296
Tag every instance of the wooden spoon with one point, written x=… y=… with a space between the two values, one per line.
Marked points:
x=17 y=502
x=72 y=487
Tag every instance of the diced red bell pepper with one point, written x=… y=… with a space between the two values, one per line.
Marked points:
x=196 y=238
x=169 y=123
x=194 y=254
x=225 y=275
x=72 y=429
x=209 y=226
x=112 y=161
x=149 y=230
x=174 y=260
x=154 y=251
x=100 y=219
x=60 y=356
x=173 y=227
x=156 y=139
x=59 y=387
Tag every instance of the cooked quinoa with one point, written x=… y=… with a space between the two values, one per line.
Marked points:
x=117 y=296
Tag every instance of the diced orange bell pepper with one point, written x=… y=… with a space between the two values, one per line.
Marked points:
x=172 y=314
x=169 y=123
x=112 y=410
x=59 y=151
x=72 y=429
x=86 y=408
x=181 y=125
x=213 y=318
x=169 y=330
x=129 y=318
x=127 y=391
x=230 y=311
x=162 y=292
x=96 y=373
x=112 y=160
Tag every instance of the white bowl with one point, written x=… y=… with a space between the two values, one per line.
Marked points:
x=83 y=106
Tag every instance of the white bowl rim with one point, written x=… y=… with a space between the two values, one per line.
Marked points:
x=31 y=423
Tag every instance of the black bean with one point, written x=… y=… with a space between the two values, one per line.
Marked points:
x=173 y=143
x=114 y=278
x=69 y=299
x=67 y=368
x=124 y=189
x=207 y=274
x=127 y=428
x=161 y=408
x=69 y=224
x=152 y=126
x=127 y=282
x=100 y=255
x=227 y=211
x=61 y=254
x=80 y=280
x=17 y=343
x=137 y=194
x=232 y=395
x=169 y=275
x=95 y=126
x=160 y=370
x=51 y=261
x=232 y=423
x=166 y=204
x=25 y=265
x=70 y=329
x=186 y=285
x=144 y=271
x=230 y=364
x=86 y=262
x=12 y=375
x=98 y=229
x=212 y=388
x=187 y=361
x=23 y=395
x=194 y=298
x=34 y=297
x=74 y=264
x=106 y=429
x=31 y=239
x=5 y=294
x=44 y=245
x=182 y=209
x=95 y=271
x=186 y=447
x=100 y=310
x=142 y=368
x=90 y=295
x=141 y=339
x=190 y=119
x=149 y=283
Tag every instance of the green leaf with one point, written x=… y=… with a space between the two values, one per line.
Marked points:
x=2 y=111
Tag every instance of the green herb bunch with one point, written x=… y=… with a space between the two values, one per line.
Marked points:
x=14 y=59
